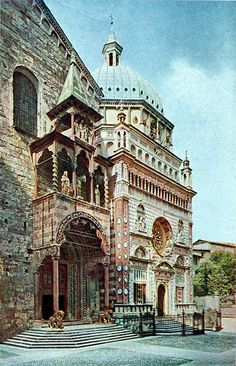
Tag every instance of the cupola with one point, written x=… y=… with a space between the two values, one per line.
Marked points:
x=112 y=49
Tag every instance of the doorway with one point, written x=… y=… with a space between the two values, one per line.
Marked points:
x=47 y=306
x=161 y=299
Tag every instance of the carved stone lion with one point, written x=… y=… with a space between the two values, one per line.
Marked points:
x=106 y=316
x=55 y=321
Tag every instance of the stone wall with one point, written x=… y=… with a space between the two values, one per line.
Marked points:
x=27 y=40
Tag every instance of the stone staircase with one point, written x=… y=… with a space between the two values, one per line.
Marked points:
x=70 y=337
x=170 y=326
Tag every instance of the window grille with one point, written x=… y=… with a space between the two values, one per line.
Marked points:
x=140 y=275
x=25 y=104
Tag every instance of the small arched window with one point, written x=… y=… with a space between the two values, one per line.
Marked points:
x=110 y=59
x=25 y=102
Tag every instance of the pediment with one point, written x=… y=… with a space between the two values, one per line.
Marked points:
x=164 y=266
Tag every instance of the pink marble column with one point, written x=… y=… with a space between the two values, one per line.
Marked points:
x=74 y=183
x=91 y=188
x=55 y=265
x=36 y=295
x=106 y=285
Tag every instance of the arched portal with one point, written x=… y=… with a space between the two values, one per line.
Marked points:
x=161 y=300
x=77 y=278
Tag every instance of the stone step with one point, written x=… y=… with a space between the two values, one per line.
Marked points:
x=75 y=338
x=49 y=331
x=171 y=326
x=69 y=334
x=68 y=345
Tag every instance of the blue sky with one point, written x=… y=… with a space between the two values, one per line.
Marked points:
x=187 y=51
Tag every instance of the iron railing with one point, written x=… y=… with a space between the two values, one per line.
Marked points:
x=147 y=323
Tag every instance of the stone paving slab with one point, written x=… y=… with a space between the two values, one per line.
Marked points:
x=206 y=343
x=140 y=352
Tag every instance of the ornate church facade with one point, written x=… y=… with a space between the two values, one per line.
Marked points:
x=96 y=209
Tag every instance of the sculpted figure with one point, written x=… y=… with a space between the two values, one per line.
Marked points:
x=180 y=236
x=141 y=223
x=79 y=192
x=65 y=183
x=97 y=195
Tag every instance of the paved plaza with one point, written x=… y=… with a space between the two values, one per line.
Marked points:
x=209 y=349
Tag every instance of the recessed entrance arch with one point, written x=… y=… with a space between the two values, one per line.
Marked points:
x=78 y=277
x=161 y=300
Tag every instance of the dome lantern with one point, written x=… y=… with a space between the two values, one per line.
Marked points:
x=112 y=49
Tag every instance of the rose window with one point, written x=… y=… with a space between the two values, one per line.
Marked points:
x=161 y=232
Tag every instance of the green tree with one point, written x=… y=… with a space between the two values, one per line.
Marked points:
x=216 y=275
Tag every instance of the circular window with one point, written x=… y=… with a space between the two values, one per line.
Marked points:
x=133 y=89
x=161 y=236
x=117 y=89
x=109 y=89
x=126 y=89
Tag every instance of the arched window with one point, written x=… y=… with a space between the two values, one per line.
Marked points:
x=140 y=154
x=45 y=168
x=124 y=139
x=133 y=150
x=82 y=176
x=110 y=59
x=25 y=101
x=99 y=187
x=65 y=172
x=118 y=139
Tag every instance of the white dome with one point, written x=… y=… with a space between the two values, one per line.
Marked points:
x=123 y=83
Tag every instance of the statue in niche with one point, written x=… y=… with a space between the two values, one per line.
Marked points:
x=79 y=191
x=82 y=130
x=180 y=234
x=88 y=135
x=180 y=237
x=141 y=223
x=65 y=183
x=168 y=138
x=153 y=133
x=153 y=130
x=97 y=195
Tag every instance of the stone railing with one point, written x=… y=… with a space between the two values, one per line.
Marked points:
x=188 y=308
x=121 y=309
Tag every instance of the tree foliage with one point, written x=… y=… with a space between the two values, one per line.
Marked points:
x=216 y=275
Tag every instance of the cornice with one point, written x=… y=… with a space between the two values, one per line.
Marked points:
x=140 y=103
x=147 y=172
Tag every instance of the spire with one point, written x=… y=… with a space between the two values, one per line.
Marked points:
x=112 y=49
x=112 y=35
x=186 y=161
x=186 y=172
x=73 y=85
